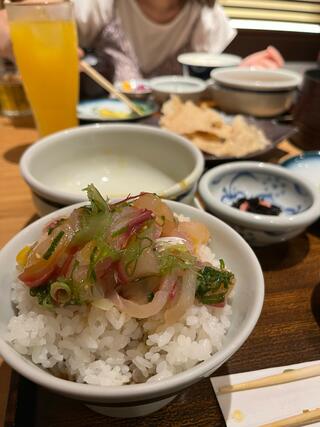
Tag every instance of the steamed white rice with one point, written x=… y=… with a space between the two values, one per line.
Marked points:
x=93 y=346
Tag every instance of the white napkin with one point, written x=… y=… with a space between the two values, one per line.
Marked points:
x=251 y=408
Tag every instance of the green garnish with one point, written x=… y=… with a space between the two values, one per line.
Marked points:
x=53 y=245
x=176 y=257
x=133 y=251
x=60 y=292
x=119 y=231
x=213 y=284
x=100 y=252
x=150 y=296
x=91 y=275
x=42 y=293
x=98 y=204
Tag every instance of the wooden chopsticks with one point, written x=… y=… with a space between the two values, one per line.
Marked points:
x=303 y=419
x=108 y=86
x=284 y=377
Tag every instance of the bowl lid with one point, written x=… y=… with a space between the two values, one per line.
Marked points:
x=257 y=80
x=206 y=59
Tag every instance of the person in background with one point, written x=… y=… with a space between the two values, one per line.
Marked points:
x=142 y=38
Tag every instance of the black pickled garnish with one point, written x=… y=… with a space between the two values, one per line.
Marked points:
x=257 y=205
x=213 y=284
x=53 y=245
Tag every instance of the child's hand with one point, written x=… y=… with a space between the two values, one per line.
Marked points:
x=269 y=58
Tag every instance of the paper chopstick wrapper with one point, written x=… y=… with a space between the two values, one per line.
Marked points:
x=258 y=406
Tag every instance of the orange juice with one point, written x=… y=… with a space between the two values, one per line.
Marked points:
x=46 y=55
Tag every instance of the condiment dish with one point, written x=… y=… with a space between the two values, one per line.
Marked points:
x=298 y=200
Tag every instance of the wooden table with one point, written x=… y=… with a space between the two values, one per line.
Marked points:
x=287 y=331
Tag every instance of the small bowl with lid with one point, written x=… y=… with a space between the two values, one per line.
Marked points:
x=222 y=187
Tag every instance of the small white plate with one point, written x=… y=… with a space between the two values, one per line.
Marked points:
x=112 y=110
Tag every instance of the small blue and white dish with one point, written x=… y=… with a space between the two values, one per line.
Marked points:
x=306 y=165
x=298 y=200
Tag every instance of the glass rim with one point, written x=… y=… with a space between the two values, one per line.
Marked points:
x=35 y=3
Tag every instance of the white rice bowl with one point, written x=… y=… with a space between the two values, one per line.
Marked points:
x=106 y=347
x=143 y=398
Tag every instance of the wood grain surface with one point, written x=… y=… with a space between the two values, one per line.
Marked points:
x=287 y=331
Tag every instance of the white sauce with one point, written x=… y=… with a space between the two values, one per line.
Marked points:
x=114 y=175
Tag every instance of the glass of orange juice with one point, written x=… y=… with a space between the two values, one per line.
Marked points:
x=44 y=39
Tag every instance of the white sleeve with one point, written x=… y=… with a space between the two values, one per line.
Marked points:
x=91 y=16
x=213 y=32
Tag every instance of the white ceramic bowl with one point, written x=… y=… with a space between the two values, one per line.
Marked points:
x=183 y=86
x=141 y=399
x=200 y=64
x=119 y=159
x=221 y=186
x=260 y=93
x=257 y=80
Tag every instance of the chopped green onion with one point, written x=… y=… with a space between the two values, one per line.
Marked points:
x=53 y=245
x=60 y=292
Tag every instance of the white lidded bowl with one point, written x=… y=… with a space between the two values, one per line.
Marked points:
x=187 y=88
x=141 y=399
x=118 y=158
x=299 y=201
